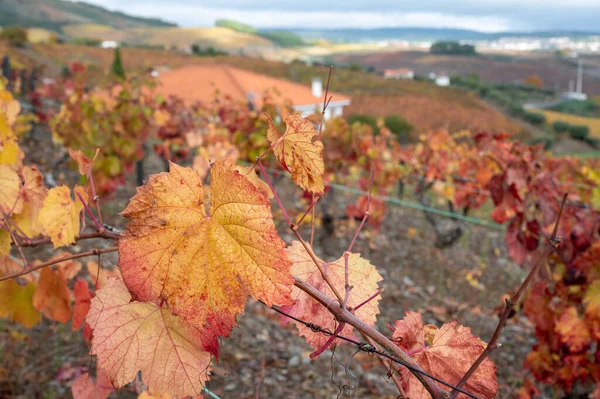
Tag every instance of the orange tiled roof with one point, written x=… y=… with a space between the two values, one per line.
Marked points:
x=198 y=83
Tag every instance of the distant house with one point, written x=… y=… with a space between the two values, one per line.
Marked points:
x=194 y=83
x=442 y=80
x=109 y=44
x=399 y=73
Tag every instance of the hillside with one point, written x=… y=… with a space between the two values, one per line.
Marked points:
x=55 y=14
x=173 y=37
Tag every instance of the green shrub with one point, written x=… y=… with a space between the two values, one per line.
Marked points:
x=576 y=107
x=548 y=142
x=398 y=126
x=579 y=132
x=534 y=118
x=86 y=41
x=515 y=109
x=364 y=119
x=560 y=126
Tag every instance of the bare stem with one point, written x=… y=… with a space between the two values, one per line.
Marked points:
x=96 y=196
x=553 y=243
x=53 y=262
x=86 y=236
x=369 y=299
x=91 y=215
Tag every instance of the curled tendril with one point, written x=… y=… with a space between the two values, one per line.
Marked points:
x=348 y=387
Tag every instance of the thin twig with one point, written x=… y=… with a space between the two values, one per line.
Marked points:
x=315 y=199
x=86 y=236
x=553 y=243
x=91 y=215
x=53 y=262
x=96 y=198
x=369 y=299
x=14 y=239
x=347 y=285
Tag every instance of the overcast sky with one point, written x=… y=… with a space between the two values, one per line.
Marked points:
x=482 y=15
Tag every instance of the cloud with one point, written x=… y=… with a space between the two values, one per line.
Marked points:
x=488 y=15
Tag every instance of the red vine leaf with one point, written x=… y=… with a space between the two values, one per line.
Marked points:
x=298 y=153
x=83 y=299
x=140 y=336
x=203 y=265
x=363 y=276
x=446 y=353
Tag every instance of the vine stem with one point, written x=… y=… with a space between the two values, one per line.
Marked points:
x=347 y=286
x=275 y=195
x=553 y=243
x=91 y=215
x=345 y=316
x=96 y=196
x=326 y=100
x=53 y=262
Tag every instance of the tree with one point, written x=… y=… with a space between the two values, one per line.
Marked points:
x=117 y=67
x=15 y=35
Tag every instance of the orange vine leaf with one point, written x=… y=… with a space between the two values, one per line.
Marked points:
x=572 y=330
x=10 y=188
x=203 y=265
x=131 y=336
x=299 y=152
x=445 y=353
x=52 y=296
x=363 y=278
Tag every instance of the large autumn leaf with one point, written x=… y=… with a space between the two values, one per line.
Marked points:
x=59 y=216
x=446 y=353
x=363 y=277
x=299 y=152
x=203 y=265
x=83 y=299
x=52 y=296
x=141 y=336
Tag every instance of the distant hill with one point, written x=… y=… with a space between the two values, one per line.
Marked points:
x=421 y=34
x=55 y=14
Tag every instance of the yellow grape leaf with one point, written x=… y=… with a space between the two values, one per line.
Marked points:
x=10 y=152
x=16 y=303
x=34 y=193
x=52 y=296
x=298 y=153
x=446 y=353
x=204 y=265
x=59 y=216
x=10 y=189
x=363 y=276
x=171 y=359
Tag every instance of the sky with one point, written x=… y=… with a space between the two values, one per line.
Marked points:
x=481 y=15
